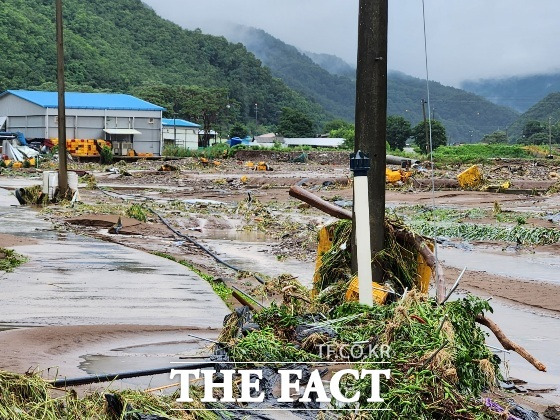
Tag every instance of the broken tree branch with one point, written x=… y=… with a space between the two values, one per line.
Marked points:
x=508 y=344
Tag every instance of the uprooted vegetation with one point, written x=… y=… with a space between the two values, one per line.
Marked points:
x=436 y=353
x=28 y=397
x=479 y=225
x=9 y=259
x=437 y=356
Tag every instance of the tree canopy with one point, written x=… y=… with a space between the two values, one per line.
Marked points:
x=497 y=136
x=294 y=124
x=439 y=136
x=398 y=131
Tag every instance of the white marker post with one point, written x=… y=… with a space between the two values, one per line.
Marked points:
x=360 y=164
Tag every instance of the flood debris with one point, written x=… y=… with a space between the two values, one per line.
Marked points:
x=9 y=259
x=30 y=397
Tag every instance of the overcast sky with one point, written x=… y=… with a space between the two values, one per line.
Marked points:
x=467 y=39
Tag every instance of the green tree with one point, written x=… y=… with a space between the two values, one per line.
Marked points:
x=439 y=136
x=533 y=127
x=336 y=125
x=294 y=123
x=398 y=131
x=347 y=133
x=537 y=138
x=497 y=136
x=238 y=130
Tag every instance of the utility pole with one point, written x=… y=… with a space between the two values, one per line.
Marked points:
x=62 y=165
x=550 y=136
x=426 y=128
x=371 y=118
x=256 y=118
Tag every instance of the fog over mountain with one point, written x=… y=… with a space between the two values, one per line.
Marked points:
x=466 y=40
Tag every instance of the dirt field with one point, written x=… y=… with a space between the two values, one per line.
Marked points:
x=246 y=218
x=231 y=200
x=206 y=202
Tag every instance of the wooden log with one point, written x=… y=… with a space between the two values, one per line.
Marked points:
x=508 y=344
x=317 y=202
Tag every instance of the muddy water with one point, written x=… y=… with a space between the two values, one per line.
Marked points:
x=256 y=255
x=521 y=265
x=539 y=334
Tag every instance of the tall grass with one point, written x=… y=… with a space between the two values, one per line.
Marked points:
x=473 y=153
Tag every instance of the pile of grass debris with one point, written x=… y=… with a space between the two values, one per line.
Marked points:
x=31 y=397
x=438 y=359
x=398 y=262
x=9 y=259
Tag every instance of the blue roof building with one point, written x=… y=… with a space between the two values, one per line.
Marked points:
x=120 y=118
x=79 y=100
x=181 y=133
x=176 y=122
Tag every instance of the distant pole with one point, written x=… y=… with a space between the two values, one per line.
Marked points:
x=426 y=128
x=174 y=129
x=256 y=117
x=62 y=164
x=550 y=136
x=371 y=117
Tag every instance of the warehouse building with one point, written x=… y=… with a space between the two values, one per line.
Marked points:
x=181 y=133
x=119 y=118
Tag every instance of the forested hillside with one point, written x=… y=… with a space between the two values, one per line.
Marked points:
x=548 y=107
x=123 y=46
x=467 y=117
x=333 y=64
x=335 y=93
x=519 y=93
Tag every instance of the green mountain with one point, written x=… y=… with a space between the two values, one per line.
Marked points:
x=123 y=46
x=549 y=107
x=467 y=117
x=333 y=64
x=334 y=93
x=519 y=93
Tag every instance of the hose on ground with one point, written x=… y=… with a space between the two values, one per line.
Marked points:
x=86 y=380
x=187 y=238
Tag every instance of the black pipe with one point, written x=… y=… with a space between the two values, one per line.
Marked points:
x=86 y=380
x=188 y=238
x=199 y=245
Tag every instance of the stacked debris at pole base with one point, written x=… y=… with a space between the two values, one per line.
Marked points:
x=438 y=359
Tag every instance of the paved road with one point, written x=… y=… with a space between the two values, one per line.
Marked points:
x=96 y=303
x=75 y=280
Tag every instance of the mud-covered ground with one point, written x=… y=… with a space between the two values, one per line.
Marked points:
x=230 y=203
x=247 y=218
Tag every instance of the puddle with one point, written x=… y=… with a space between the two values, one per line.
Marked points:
x=539 y=334
x=257 y=257
x=539 y=267
x=236 y=235
x=146 y=356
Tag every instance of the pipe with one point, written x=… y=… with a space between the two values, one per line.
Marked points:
x=398 y=160
x=188 y=238
x=86 y=380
